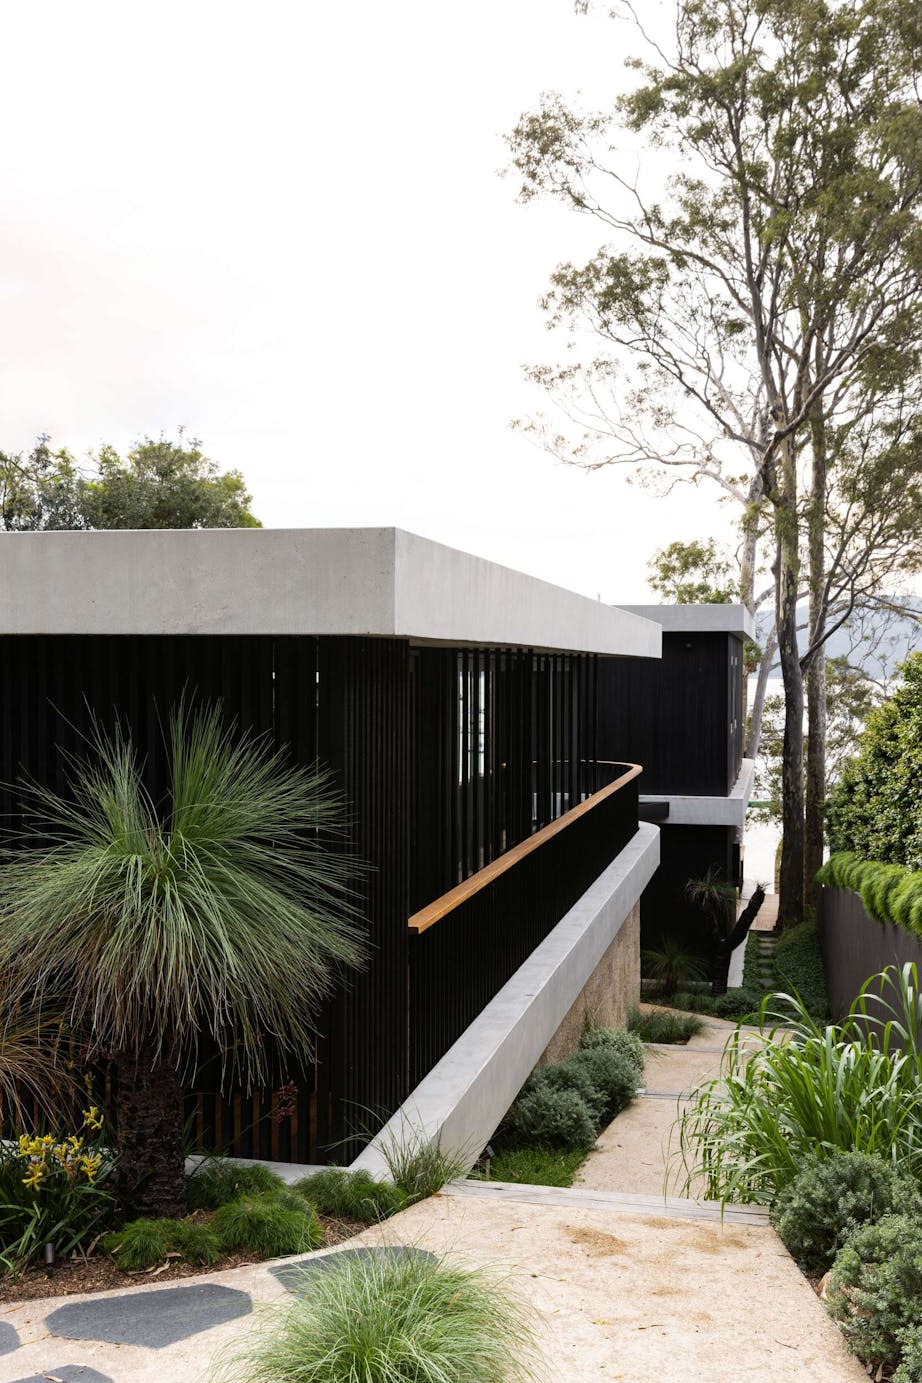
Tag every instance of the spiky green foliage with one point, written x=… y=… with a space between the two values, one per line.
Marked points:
x=271 y=1225
x=418 y=1165
x=352 y=1195
x=672 y=966
x=197 y=1243
x=830 y=1197
x=890 y=892
x=217 y=912
x=33 y=1066
x=140 y=1244
x=795 y=1089
x=665 y=1025
x=875 y=1288
x=218 y=1180
x=390 y=1319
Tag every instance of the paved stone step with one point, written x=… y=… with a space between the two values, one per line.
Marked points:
x=618 y=1202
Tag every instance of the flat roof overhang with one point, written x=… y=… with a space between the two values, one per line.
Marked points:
x=699 y=619
x=379 y=582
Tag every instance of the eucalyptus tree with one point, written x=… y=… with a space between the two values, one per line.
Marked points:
x=215 y=920
x=760 y=298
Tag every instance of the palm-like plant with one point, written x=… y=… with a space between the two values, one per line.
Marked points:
x=220 y=915
x=33 y=1070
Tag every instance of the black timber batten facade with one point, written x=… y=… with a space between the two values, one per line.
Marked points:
x=447 y=757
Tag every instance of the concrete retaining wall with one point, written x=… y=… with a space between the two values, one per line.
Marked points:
x=539 y=1011
x=855 y=946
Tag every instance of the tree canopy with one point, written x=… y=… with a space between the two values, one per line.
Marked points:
x=875 y=810
x=760 y=305
x=159 y=484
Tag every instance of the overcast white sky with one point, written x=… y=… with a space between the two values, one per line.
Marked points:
x=281 y=225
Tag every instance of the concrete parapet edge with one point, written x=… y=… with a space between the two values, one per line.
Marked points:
x=466 y=1094
x=689 y=810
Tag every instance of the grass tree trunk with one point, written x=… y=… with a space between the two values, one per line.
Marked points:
x=151 y=1155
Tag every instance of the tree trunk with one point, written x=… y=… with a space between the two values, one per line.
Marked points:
x=791 y=877
x=151 y=1157
x=754 y=728
x=816 y=668
x=735 y=936
x=816 y=776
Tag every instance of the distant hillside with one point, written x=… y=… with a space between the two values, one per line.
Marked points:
x=878 y=644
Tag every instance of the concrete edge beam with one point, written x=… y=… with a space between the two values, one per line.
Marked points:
x=699 y=619
x=379 y=582
x=688 y=810
x=464 y=1097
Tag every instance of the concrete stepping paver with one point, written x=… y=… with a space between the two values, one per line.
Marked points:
x=152 y=1319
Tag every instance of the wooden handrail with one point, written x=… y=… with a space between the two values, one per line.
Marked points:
x=433 y=912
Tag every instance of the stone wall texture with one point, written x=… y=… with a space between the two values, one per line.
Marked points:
x=608 y=996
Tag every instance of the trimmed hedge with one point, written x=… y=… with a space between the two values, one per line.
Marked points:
x=875 y=810
x=890 y=892
x=565 y=1104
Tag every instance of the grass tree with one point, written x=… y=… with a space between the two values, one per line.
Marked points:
x=216 y=918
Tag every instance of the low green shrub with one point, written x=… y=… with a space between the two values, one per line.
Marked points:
x=910 y=1369
x=218 y=1180
x=737 y=1003
x=353 y=1195
x=613 y=1071
x=620 y=1040
x=831 y=1197
x=143 y=1244
x=664 y=1025
x=391 y=1319
x=569 y=1075
x=140 y=1244
x=875 y=1288
x=272 y=1225
x=551 y=1118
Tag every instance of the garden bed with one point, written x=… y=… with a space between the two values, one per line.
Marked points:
x=98 y=1272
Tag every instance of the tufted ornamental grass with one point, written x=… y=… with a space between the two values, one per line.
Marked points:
x=795 y=1090
x=218 y=1180
x=392 y=1319
x=271 y=1225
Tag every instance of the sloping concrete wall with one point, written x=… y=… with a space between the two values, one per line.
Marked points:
x=465 y=1096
